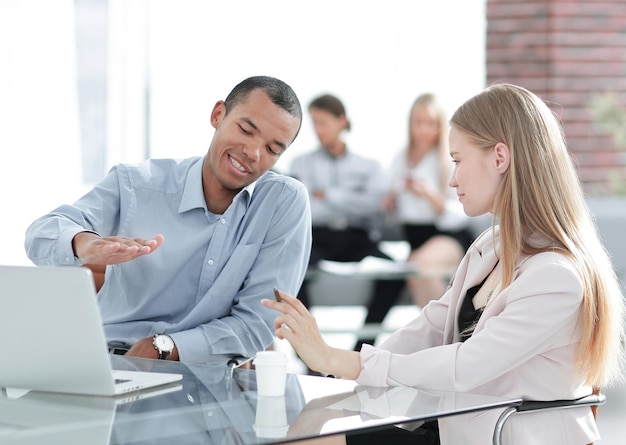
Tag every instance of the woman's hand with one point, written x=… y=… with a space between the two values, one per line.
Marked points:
x=426 y=190
x=390 y=203
x=419 y=187
x=299 y=328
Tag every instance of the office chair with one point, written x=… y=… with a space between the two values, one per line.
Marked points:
x=594 y=400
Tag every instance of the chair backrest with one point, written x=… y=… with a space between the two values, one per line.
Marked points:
x=594 y=408
x=593 y=400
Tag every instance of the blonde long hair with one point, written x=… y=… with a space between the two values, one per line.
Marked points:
x=541 y=194
x=430 y=100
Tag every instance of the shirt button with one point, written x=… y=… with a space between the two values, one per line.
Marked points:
x=210 y=262
x=223 y=220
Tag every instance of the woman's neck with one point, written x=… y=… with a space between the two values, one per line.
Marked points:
x=415 y=154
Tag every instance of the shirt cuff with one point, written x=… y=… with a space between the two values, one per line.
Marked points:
x=191 y=346
x=374 y=366
x=65 y=253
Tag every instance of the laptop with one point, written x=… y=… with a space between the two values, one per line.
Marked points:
x=52 y=335
x=43 y=418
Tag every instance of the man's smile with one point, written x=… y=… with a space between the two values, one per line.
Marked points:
x=237 y=165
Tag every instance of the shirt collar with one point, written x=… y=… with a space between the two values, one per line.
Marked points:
x=193 y=194
x=325 y=153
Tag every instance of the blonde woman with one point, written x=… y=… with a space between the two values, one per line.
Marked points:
x=430 y=215
x=534 y=309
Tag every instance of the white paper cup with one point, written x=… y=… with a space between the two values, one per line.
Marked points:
x=271 y=373
x=271 y=417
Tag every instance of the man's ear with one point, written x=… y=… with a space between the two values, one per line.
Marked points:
x=344 y=122
x=218 y=113
x=502 y=157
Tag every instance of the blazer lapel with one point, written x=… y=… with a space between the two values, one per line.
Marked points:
x=478 y=263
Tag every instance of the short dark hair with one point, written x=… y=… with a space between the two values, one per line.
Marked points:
x=278 y=91
x=332 y=105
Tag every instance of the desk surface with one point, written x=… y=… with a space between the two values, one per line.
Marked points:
x=216 y=405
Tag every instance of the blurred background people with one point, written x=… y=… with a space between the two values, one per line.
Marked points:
x=420 y=201
x=535 y=309
x=346 y=192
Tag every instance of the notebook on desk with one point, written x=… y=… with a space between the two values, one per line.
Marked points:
x=52 y=336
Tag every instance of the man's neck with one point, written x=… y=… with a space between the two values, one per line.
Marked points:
x=217 y=198
x=217 y=206
x=337 y=149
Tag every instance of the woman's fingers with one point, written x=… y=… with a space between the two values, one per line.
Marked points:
x=292 y=321
x=298 y=326
x=292 y=301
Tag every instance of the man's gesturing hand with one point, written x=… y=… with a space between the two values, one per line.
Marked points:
x=94 y=249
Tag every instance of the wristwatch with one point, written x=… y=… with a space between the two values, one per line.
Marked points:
x=164 y=344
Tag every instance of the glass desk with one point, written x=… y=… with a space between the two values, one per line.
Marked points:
x=216 y=404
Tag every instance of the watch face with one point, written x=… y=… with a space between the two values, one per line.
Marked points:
x=164 y=342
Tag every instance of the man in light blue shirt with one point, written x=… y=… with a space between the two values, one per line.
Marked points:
x=225 y=231
x=346 y=192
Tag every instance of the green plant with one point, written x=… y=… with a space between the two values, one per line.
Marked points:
x=608 y=113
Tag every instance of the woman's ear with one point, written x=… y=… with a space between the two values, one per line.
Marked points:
x=502 y=157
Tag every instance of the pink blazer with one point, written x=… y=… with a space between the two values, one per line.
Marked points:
x=524 y=345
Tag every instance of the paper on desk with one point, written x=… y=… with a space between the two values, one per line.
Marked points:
x=369 y=265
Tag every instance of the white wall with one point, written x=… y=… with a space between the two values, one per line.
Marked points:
x=376 y=55
x=39 y=137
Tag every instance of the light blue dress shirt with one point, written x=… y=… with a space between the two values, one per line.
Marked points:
x=354 y=187
x=205 y=283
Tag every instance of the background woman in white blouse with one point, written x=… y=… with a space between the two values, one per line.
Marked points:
x=422 y=203
x=534 y=309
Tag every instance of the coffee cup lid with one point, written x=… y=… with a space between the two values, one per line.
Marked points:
x=270 y=358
